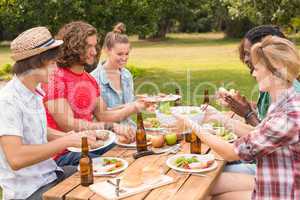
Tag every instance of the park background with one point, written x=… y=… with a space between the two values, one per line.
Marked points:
x=190 y=44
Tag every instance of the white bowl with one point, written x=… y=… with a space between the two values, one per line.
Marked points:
x=169 y=119
x=166 y=119
x=194 y=113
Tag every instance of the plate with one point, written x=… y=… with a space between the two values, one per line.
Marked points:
x=161 y=98
x=110 y=140
x=131 y=145
x=233 y=136
x=171 y=162
x=98 y=162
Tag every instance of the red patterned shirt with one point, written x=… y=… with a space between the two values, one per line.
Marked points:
x=80 y=90
x=275 y=145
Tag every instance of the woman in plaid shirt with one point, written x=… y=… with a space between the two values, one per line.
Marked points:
x=274 y=143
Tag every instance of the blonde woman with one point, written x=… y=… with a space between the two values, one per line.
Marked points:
x=274 y=143
x=114 y=80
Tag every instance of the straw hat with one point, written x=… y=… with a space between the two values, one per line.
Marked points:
x=32 y=42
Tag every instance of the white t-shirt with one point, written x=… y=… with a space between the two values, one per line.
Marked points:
x=22 y=114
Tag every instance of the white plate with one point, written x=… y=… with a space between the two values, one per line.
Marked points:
x=131 y=145
x=171 y=162
x=99 y=161
x=168 y=97
x=110 y=140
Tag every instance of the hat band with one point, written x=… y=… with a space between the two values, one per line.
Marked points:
x=45 y=44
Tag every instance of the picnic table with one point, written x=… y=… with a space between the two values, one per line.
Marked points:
x=185 y=187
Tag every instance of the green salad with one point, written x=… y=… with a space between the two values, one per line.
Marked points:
x=184 y=162
x=165 y=108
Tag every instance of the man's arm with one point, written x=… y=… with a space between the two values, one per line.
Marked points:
x=63 y=115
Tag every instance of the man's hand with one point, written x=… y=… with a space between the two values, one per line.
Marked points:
x=125 y=131
x=238 y=104
x=74 y=139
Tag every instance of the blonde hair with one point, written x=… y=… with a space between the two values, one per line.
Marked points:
x=116 y=36
x=279 y=56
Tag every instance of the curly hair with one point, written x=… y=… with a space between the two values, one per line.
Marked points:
x=74 y=35
x=256 y=34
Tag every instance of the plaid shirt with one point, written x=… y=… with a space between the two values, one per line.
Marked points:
x=275 y=145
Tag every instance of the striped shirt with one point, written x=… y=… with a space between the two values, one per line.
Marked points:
x=274 y=144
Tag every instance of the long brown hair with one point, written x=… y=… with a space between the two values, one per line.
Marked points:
x=74 y=35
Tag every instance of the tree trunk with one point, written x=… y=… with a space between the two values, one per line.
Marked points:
x=163 y=28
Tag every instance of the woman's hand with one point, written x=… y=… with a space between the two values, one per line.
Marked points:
x=141 y=104
x=125 y=131
x=213 y=115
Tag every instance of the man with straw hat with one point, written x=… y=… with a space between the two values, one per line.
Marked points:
x=26 y=167
x=73 y=98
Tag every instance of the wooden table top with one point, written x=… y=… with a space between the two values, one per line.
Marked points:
x=185 y=187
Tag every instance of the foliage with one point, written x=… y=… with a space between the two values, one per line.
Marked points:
x=6 y=72
x=135 y=72
x=148 y=18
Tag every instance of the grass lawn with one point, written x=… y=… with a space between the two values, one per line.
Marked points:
x=191 y=62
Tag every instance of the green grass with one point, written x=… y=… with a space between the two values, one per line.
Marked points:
x=191 y=61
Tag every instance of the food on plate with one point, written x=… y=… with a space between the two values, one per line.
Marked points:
x=123 y=140
x=108 y=165
x=192 y=163
x=157 y=141
x=225 y=134
x=151 y=122
x=165 y=108
x=102 y=135
x=171 y=138
x=97 y=144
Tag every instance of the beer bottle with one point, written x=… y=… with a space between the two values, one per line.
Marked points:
x=195 y=143
x=206 y=97
x=178 y=101
x=86 y=164
x=141 y=140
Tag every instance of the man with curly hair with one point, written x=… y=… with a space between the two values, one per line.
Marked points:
x=73 y=97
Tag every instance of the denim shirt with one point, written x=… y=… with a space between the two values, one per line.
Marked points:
x=109 y=94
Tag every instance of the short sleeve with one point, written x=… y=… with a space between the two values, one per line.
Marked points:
x=55 y=89
x=11 y=119
x=273 y=133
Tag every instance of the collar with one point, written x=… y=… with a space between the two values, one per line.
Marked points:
x=282 y=99
x=103 y=74
x=25 y=94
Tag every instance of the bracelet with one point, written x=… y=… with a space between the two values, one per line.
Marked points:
x=108 y=126
x=248 y=114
